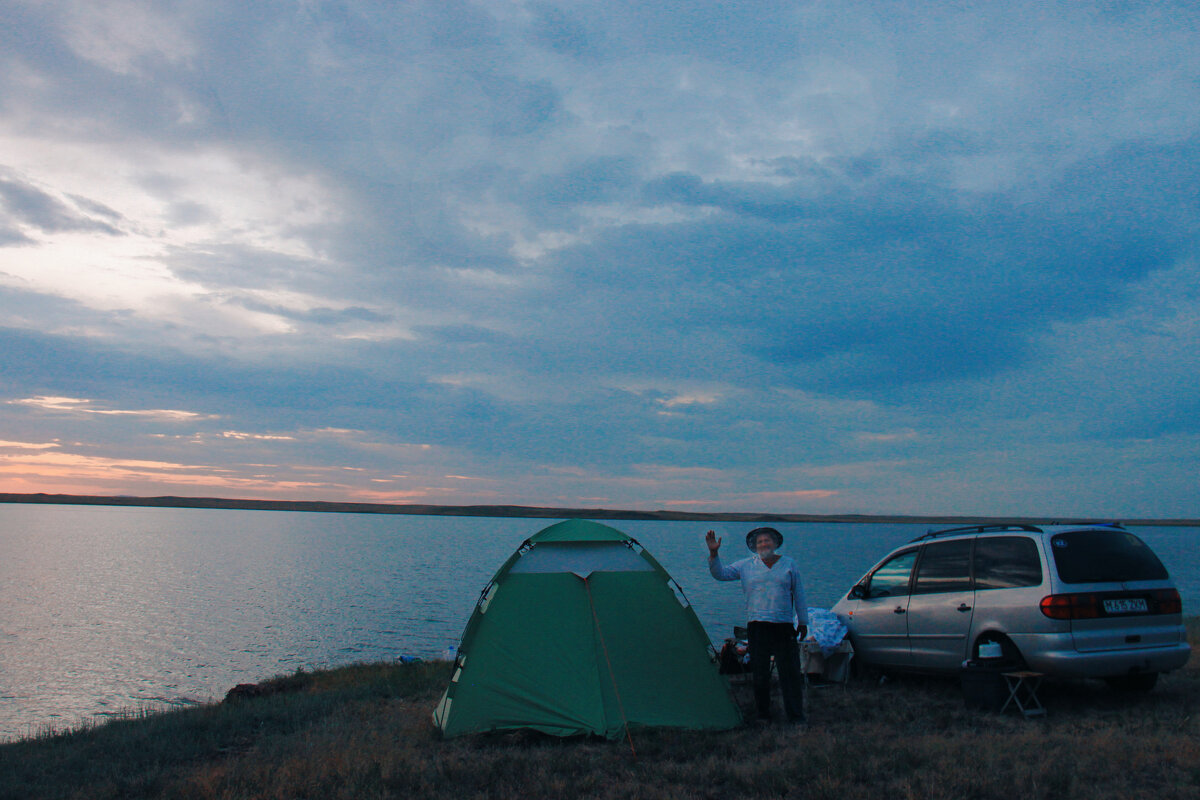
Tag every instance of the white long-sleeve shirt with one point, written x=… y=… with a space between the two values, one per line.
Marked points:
x=773 y=594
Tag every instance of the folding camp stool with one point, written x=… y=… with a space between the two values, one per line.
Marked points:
x=1022 y=692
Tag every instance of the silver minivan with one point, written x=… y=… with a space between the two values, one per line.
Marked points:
x=1072 y=601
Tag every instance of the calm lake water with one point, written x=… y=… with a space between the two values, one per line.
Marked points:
x=108 y=609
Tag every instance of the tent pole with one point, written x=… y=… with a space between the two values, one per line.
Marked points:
x=620 y=704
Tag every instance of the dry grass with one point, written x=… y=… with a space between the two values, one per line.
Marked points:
x=365 y=732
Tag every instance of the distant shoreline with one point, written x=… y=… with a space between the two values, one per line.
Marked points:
x=536 y=512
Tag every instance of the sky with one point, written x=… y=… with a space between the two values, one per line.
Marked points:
x=800 y=257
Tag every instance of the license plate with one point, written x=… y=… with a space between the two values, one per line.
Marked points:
x=1130 y=605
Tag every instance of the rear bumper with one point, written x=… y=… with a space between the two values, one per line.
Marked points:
x=1067 y=662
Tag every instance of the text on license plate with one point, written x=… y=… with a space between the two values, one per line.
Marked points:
x=1131 y=605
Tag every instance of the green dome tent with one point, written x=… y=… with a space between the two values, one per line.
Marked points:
x=581 y=631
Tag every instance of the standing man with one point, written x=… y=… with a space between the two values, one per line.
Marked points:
x=774 y=601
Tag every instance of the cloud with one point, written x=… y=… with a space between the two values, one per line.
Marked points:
x=74 y=405
x=555 y=245
x=886 y=438
x=102 y=475
x=29 y=207
x=28 y=445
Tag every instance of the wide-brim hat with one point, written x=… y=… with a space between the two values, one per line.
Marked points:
x=752 y=535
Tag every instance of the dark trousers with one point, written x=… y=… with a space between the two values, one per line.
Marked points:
x=777 y=639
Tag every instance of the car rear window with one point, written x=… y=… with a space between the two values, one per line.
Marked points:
x=1006 y=562
x=1104 y=557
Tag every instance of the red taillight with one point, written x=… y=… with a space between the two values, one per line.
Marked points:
x=1057 y=606
x=1071 y=606
x=1087 y=605
x=1166 y=601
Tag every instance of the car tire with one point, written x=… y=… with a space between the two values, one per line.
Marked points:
x=863 y=671
x=1138 y=683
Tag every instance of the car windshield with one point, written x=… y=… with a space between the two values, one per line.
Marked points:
x=1104 y=557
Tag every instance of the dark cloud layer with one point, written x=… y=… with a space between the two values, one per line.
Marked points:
x=790 y=249
x=27 y=206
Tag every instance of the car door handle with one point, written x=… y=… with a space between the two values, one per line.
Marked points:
x=963 y=607
x=899 y=610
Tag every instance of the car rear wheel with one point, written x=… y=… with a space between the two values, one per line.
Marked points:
x=1010 y=658
x=1138 y=683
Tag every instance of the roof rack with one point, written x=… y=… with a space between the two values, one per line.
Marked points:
x=996 y=528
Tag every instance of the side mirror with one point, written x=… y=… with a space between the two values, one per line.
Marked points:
x=858 y=592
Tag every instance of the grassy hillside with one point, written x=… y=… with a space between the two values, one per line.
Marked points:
x=365 y=731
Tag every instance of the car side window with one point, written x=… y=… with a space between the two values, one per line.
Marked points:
x=892 y=577
x=1006 y=562
x=944 y=567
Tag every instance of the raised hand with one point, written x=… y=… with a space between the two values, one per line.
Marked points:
x=714 y=543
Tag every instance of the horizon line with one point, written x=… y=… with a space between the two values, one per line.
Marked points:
x=550 y=512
